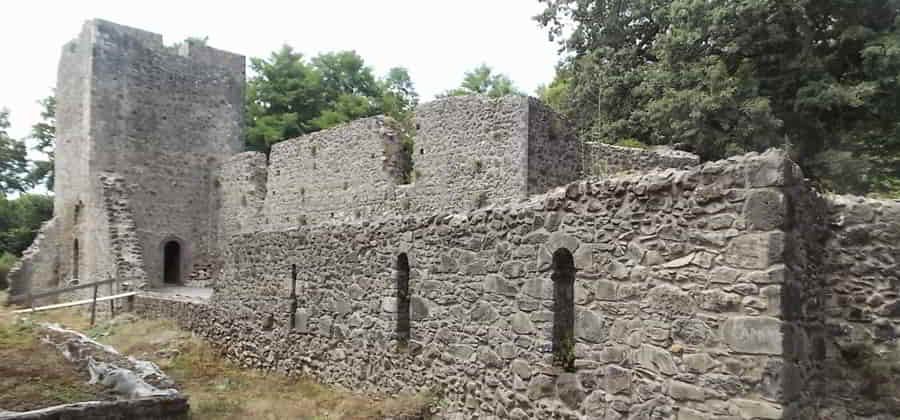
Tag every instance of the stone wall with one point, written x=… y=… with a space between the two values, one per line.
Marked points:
x=331 y=175
x=241 y=188
x=677 y=299
x=553 y=149
x=861 y=309
x=471 y=151
x=600 y=159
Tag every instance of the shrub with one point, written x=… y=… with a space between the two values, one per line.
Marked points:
x=630 y=142
x=7 y=260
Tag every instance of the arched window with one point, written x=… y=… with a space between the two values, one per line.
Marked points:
x=402 y=280
x=75 y=256
x=563 y=308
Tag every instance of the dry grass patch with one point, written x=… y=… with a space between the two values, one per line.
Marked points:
x=219 y=389
x=34 y=374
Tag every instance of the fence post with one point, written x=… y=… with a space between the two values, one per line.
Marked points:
x=112 y=302
x=30 y=300
x=94 y=305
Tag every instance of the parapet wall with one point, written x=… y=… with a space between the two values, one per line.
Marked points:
x=331 y=175
x=677 y=299
x=600 y=159
x=241 y=191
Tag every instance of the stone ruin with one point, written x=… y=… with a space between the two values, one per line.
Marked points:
x=521 y=274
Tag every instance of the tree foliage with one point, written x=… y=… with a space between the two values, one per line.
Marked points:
x=13 y=160
x=289 y=95
x=20 y=220
x=44 y=132
x=482 y=80
x=818 y=76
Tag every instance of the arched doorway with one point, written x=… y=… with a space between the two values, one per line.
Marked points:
x=172 y=263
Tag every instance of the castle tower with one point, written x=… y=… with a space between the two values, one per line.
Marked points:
x=142 y=128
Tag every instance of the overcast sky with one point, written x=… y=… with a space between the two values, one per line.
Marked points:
x=437 y=40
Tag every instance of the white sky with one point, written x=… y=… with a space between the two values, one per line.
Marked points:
x=437 y=40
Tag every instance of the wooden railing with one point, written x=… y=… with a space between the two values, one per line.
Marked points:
x=28 y=298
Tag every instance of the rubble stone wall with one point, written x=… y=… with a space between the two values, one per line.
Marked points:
x=600 y=159
x=677 y=299
x=861 y=307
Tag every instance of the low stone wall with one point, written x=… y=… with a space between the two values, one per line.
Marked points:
x=155 y=408
x=600 y=159
x=37 y=269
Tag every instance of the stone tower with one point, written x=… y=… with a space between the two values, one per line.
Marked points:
x=142 y=129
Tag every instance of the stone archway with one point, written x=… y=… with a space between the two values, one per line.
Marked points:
x=172 y=255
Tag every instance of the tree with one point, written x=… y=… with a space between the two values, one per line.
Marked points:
x=483 y=81
x=20 y=220
x=13 y=160
x=44 y=132
x=289 y=96
x=724 y=77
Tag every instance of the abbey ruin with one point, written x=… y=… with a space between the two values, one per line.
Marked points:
x=521 y=274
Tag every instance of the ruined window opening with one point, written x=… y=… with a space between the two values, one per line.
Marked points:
x=75 y=257
x=403 y=308
x=172 y=263
x=563 y=308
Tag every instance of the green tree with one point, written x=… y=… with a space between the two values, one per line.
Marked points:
x=13 y=160
x=726 y=77
x=483 y=81
x=20 y=220
x=44 y=132
x=288 y=96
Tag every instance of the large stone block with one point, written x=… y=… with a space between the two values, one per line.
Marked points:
x=754 y=335
x=766 y=209
x=756 y=250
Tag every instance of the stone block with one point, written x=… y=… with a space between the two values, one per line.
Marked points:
x=756 y=250
x=754 y=335
x=755 y=410
x=617 y=379
x=765 y=209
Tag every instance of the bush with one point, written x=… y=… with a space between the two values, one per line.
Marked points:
x=7 y=261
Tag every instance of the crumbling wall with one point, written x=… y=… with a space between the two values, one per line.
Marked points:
x=677 y=297
x=38 y=269
x=470 y=151
x=241 y=188
x=337 y=174
x=861 y=306
x=124 y=244
x=600 y=159
x=553 y=149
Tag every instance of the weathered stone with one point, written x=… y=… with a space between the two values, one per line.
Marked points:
x=670 y=300
x=756 y=250
x=765 y=209
x=691 y=331
x=590 y=327
x=655 y=359
x=418 y=308
x=521 y=323
x=569 y=390
x=561 y=239
x=541 y=386
x=617 y=379
x=513 y=269
x=605 y=290
x=698 y=363
x=521 y=368
x=484 y=312
x=682 y=391
x=755 y=410
x=755 y=335
x=497 y=284
x=539 y=288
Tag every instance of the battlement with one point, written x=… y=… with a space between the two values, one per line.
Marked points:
x=107 y=34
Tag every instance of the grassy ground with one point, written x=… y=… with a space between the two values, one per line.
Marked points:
x=219 y=389
x=34 y=374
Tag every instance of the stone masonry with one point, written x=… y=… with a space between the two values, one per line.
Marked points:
x=518 y=273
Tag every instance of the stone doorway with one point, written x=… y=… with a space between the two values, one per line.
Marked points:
x=172 y=263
